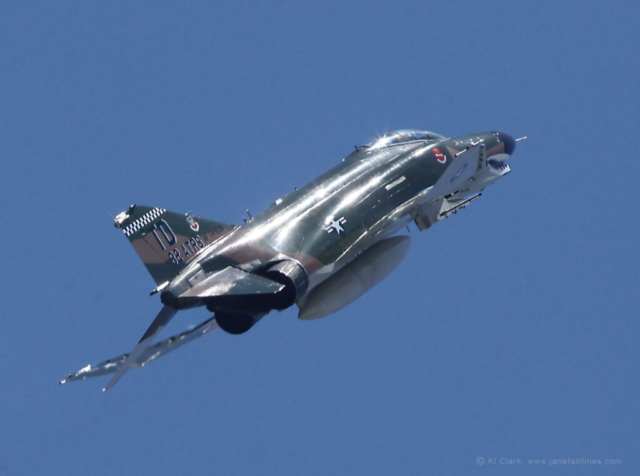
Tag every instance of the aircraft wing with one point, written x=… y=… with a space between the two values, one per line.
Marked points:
x=148 y=355
x=465 y=165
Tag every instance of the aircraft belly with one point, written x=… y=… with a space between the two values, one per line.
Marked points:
x=384 y=228
x=326 y=272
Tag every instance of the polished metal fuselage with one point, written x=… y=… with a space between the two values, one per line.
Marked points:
x=372 y=193
x=292 y=252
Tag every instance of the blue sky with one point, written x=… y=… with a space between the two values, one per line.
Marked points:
x=510 y=331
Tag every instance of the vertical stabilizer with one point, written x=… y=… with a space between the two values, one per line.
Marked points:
x=166 y=241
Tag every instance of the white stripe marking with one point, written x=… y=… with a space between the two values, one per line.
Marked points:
x=396 y=182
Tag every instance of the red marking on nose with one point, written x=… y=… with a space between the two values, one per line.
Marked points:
x=439 y=155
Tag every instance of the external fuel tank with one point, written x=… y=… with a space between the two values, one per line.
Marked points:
x=355 y=279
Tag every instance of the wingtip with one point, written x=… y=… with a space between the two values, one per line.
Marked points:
x=111 y=383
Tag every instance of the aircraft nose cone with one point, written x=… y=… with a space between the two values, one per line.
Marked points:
x=509 y=143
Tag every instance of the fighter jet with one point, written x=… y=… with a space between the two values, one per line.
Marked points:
x=320 y=248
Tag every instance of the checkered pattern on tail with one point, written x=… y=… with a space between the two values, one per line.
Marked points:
x=144 y=220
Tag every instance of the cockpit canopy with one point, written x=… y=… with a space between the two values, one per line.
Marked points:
x=402 y=136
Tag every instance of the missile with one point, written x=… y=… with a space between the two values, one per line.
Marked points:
x=355 y=279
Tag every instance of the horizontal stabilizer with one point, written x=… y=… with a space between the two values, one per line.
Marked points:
x=231 y=290
x=233 y=282
x=161 y=320
x=148 y=355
